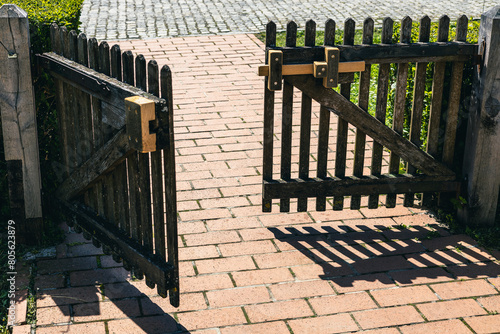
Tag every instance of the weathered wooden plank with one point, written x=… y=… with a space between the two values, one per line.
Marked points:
x=104 y=59
x=109 y=197
x=267 y=160
x=366 y=185
x=437 y=99
x=324 y=125
x=454 y=98
x=121 y=198
x=83 y=50
x=480 y=167
x=55 y=38
x=399 y=104
x=170 y=186
x=305 y=122
x=116 y=62
x=381 y=109
x=363 y=100
x=84 y=100
x=286 y=120
x=418 y=100
x=157 y=168
x=387 y=137
x=128 y=67
x=384 y=53
x=107 y=157
x=343 y=125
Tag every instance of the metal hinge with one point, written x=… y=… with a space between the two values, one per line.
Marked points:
x=140 y=111
x=328 y=69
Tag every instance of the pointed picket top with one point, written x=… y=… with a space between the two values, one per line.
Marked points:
x=349 y=27
x=387 y=29
x=310 y=35
x=444 y=28
x=271 y=34
x=425 y=29
x=368 y=25
x=406 y=26
x=291 y=34
x=329 y=32
x=462 y=25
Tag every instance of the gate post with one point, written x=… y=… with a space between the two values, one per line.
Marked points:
x=481 y=167
x=17 y=106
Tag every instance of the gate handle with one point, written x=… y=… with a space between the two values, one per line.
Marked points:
x=328 y=69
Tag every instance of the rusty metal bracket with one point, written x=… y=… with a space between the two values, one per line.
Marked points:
x=139 y=111
x=328 y=69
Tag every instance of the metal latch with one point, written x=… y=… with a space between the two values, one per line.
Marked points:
x=328 y=70
x=139 y=111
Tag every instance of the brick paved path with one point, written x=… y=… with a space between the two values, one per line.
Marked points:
x=248 y=272
x=144 y=19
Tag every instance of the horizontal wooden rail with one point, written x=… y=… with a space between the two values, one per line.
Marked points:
x=301 y=69
x=385 y=53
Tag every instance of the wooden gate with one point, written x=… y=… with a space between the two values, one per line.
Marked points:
x=314 y=70
x=118 y=166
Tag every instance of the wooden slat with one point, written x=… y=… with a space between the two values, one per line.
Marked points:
x=418 y=101
x=170 y=186
x=267 y=161
x=437 y=99
x=116 y=62
x=83 y=51
x=305 y=122
x=324 y=125
x=286 y=120
x=157 y=170
x=96 y=103
x=343 y=125
x=121 y=198
x=387 y=137
x=109 y=198
x=366 y=185
x=381 y=109
x=399 y=104
x=363 y=100
x=104 y=60
x=454 y=98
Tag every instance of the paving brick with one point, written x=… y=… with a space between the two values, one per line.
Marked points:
x=362 y=283
x=247 y=248
x=421 y=276
x=52 y=315
x=204 y=214
x=158 y=305
x=476 y=270
x=237 y=296
x=342 y=303
x=150 y=325
x=24 y=329
x=484 y=324
x=197 y=252
x=495 y=282
x=67 y=296
x=108 y=262
x=206 y=282
x=98 y=276
x=288 y=219
x=385 y=212
x=394 y=316
x=88 y=328
x=379 y=331
x=225 y=264
x=191 y=227
x=83 y=250
x=326 y=324
x=451 y=309
x=453 y=326
x=378 y=264
x=106 y=310
x=295 y=290
x=211 y=238
x=262 y=276
x=232 y=223
x=461 y=289
x=276 y=327
x=450 y=242
x=437 y=258
x=256 y=234
x=278 y=310
x=325 y=216
x=66 y=264
x=491 y=304
x=225 y=202
x=322 y=270
x=212 y=318
x=282 y=259
x=403 y=295
x=127 y=289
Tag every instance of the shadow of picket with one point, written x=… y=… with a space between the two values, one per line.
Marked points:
x=351 y=255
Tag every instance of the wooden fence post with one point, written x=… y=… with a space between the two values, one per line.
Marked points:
x=482 y=153
x=19 y=128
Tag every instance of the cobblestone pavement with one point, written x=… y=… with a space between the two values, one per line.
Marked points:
x=144 y=19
